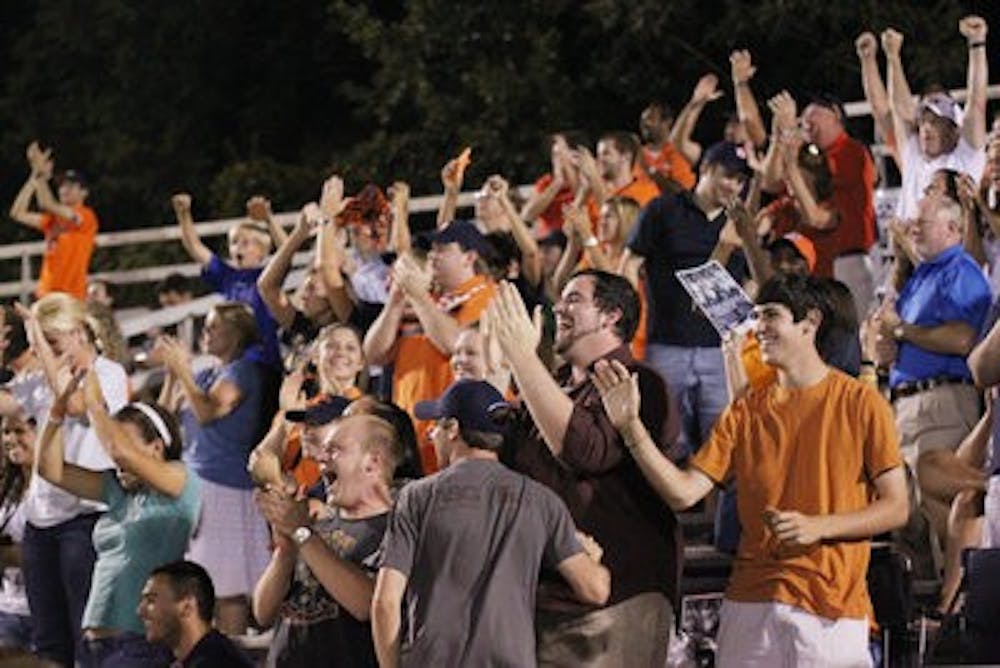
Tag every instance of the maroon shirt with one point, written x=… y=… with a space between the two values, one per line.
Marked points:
x=604 y=489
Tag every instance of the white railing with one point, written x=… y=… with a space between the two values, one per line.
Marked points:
x=26 y=251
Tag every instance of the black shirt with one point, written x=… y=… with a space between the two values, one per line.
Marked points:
x=215 y=651
x=673 y=233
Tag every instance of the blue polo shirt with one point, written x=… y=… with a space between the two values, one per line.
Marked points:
x=949 y=287
x=240 y=285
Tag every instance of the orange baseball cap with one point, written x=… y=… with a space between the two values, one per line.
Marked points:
x=803 y=246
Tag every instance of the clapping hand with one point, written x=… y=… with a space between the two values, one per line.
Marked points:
x=331 y=200
x=517 y=332
x=619 y=390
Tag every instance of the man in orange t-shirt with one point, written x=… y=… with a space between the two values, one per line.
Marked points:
x=617 y=171
x=816 y=459
x=417 y=329
x=69 y=225
x=660 y=159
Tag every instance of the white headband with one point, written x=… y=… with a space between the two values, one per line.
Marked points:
x=154 y=417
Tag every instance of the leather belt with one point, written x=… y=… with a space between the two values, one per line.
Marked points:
x=918 y=386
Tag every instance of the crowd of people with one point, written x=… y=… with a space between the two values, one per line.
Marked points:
x=470 y=446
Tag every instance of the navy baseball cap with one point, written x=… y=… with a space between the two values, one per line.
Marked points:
x=73 y=176
x=323 y=412
x=466 y=235
x=731 y=157
x=471 y=402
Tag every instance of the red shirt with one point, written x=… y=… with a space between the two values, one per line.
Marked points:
x=785 y=218
x=551 y=220
x=853 y=194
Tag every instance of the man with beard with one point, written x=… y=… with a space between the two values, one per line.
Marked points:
x=417 y=328
x=320 y=581
x=562 y=437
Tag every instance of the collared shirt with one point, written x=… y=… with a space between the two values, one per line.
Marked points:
x=673 y=233
x=950 y=287
x=604 y=489
x=853 y=173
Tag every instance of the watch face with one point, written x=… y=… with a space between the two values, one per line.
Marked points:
x=301 y=535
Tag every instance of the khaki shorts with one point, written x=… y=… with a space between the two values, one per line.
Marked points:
x=936 y=419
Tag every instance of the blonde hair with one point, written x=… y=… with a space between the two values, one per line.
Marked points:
x=626 y=210
x=61 y=312
x=257 y=232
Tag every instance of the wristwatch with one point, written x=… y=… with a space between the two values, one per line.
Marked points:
x=301 y=535
x=897 y=332
x=590 y=242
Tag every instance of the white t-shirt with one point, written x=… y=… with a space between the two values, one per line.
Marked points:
x=917 y=170
x=47 y=505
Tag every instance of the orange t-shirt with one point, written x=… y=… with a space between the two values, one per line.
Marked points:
x=813 y=450
x=671 y=164
x=642 y=189
x=421 y=370
x=68 y=247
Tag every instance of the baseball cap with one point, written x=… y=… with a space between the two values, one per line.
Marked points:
x=465 y=234
x=469 y=401
x=802 y=245
x=942 y=106
x=731 y=157
x=73 y=176
x=320 y=413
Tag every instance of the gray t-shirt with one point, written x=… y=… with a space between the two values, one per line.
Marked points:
x=472 y=539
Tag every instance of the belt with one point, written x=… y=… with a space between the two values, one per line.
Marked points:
x=918 y=386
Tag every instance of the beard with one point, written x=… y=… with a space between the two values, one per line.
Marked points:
x=565 y=339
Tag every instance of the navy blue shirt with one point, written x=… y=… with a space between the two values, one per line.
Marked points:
x=673 y=233
x=240 y=285
x=948 y=288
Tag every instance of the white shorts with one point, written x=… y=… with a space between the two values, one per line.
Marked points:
x=778 y=635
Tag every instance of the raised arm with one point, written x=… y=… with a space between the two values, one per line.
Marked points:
x=400 y=240
x=784 y=123
x=531 y=258
x=52 y=466
x=742 y=69
x=166 y=477
x=679 y=488
x=259 y=210
x=382 y=338
x=875 y=93
x=452 y=176
x=973 y=28
x=41 y=167
x=814 y=214
x=20 y=209
x=271 y=279
x=198 y=251
x=901 y=105
x=705 y=91
x=538 y=202
x=549 y=406
x=330 y=252
x=440 y=328
x=217 y=402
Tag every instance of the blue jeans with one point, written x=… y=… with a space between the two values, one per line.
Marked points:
x=58 y=562
x=126 y=650
x=697 y=379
